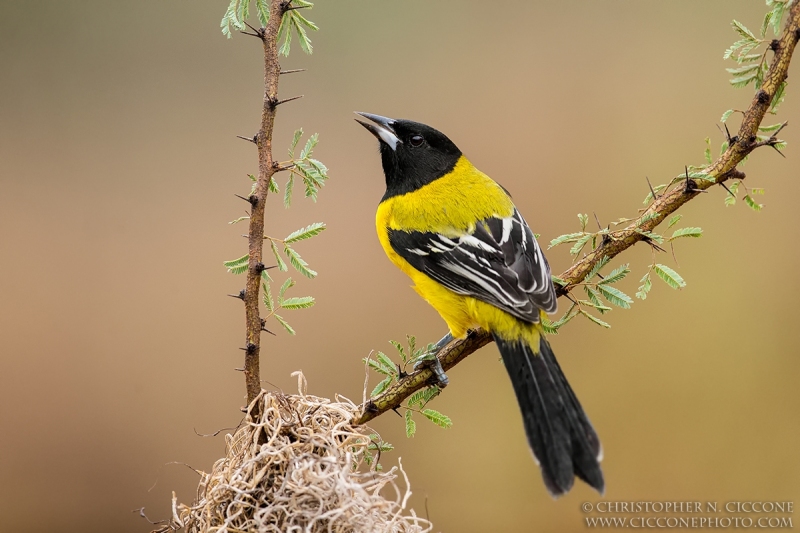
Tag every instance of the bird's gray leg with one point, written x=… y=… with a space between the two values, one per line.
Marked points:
x=434 y=363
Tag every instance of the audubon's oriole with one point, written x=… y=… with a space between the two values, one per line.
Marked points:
x=472 y=256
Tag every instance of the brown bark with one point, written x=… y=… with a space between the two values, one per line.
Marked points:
x=266 y=168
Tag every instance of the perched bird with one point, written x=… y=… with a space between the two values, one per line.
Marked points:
x=458 y=236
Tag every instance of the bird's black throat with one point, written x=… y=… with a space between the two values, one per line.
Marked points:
x=411 y=166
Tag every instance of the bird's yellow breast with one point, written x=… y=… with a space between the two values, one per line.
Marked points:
x=451 y=205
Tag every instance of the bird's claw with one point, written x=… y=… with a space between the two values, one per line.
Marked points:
x=436 y=367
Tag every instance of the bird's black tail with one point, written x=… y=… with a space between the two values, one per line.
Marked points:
x=560 y=435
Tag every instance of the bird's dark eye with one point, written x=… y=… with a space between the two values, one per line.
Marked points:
x=416 y=140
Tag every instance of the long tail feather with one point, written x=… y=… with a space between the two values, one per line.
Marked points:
x=560 y=435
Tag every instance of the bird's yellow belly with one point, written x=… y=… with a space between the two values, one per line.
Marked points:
x=439 y=207
x=462 y=313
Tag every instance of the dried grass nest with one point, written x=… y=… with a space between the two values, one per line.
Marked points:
x=300 y=467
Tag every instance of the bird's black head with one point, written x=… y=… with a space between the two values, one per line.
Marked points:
x=412 y=154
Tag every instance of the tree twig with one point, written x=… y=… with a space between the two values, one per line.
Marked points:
x=263 y=139
x=722 y=169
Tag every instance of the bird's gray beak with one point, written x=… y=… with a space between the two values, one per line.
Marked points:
x=382 y=129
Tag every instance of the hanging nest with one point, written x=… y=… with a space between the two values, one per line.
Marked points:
x=299 y=466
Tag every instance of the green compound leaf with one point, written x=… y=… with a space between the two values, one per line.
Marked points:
x=645 y=287
x=594 y=319
x=670 y=277
x=411 y=426
x=615 y=296
x=437 y=418
x=422 y=397
x=288 y=284
x=594 y=299
x=287 y=194
x=268 y=301
x=674 y=220
x=237 y=266
x=755 y=206
x=297 y=134
x=596 y=268
x=386 y=363
x=298 y=263
x=278 y=259
x=616 y=275
x=285 y=324
x=381 y=387
x=305 y=233
x=298 y=302
x=726 y=115
x=687 y=232
x=578 y=246
x=400 y=349
x=568 y=237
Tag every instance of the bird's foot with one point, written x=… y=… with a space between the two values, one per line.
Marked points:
x=431 y=360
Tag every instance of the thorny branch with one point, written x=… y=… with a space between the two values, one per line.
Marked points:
x=719 y=171
x=266 y=168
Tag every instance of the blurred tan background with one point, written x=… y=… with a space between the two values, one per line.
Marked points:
x=118 y=165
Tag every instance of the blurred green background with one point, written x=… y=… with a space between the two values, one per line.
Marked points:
x=118 y=165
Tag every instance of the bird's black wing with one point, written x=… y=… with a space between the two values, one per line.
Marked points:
x=499 y=263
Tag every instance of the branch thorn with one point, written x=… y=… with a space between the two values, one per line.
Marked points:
x=292 y=71
x=260 y=32
x=276 y=103
x=727 y=189
x=599 y=226
x=239 y=296
x=253 y=139
x=691 y=186
x=652 y=190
